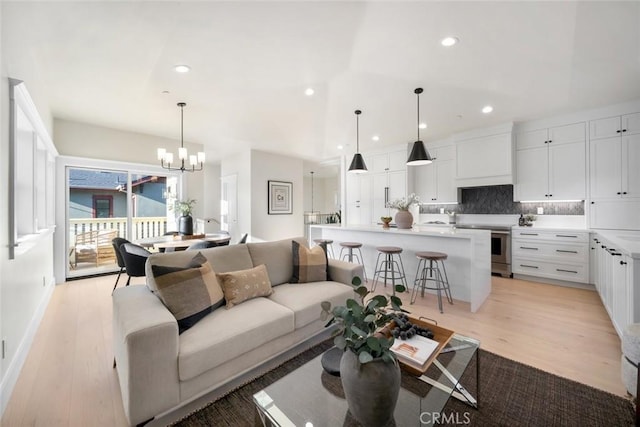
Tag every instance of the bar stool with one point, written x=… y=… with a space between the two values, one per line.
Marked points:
x=328 y=244
x=389 y=264
x=433 y=273
x=350 y=255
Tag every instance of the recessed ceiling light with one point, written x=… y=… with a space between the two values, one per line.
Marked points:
x=449 y=41
x=487 y=109
x=422 y=125
x=309 y=91
x=375 y=138
x=339 y=147
x=182 y=68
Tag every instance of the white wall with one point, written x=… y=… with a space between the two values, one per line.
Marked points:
x=27 y=281
x=325 y=191
x=264 y=167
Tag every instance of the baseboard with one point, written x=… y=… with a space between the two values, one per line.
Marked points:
x=13 y=371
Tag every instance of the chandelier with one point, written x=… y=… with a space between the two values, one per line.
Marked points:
x=166 y=159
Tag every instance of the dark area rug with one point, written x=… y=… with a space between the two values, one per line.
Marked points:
x=511 y=394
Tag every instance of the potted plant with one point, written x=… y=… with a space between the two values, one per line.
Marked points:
x=529 y=219
x=369 y=370
x=403 y=217
x=185 y=222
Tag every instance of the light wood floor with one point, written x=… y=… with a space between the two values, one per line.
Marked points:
x=68 y=378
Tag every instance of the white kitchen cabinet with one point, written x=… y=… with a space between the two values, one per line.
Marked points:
x=593 y=261
x=368 y=193
x=359 y=198
x=550 y=164
x=485 y=160
x=435 y=182
x=548 y=254
x=384 y=162
x=618 y=283
x=614 y=171
x=608 y=127
x=615 y=214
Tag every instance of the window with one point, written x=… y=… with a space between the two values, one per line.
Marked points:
x=103 y=206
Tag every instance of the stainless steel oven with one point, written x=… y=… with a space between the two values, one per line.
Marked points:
x=500 y=247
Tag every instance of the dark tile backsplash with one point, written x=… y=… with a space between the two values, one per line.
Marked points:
x=498 y=199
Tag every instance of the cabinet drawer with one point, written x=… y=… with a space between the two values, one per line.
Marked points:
x=556 y=236
x=563 y=252
x=570 y=272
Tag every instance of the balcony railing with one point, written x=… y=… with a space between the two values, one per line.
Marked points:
x=142 y=227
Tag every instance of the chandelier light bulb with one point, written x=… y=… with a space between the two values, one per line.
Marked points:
x=161 y=153
x=182 y=153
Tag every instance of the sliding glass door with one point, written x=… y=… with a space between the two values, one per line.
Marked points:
x=105 y=204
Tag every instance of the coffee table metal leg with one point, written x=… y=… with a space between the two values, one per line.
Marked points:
x=459 y=393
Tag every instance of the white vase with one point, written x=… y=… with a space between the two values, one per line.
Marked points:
x=404 y=219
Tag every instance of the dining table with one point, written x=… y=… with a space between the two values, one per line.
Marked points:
x=180 y=243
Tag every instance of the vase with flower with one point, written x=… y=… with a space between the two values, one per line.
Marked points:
x=404 y=218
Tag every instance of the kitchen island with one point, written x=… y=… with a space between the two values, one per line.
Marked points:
x=468 y=265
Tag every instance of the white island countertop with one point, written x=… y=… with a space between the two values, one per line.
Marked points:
x=627 y=242
x=422 y=230
x=468 y=263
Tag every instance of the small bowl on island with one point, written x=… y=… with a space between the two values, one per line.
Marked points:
x=385 y=221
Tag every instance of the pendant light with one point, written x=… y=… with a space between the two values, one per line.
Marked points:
x=166 y=159
x=357 y=164
x=419 y=154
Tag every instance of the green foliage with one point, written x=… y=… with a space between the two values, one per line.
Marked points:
x=360 y=323
x=184 y=207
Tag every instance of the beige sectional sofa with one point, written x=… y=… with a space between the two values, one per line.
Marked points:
x=160 y=370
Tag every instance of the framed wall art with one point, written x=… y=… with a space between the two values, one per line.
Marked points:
x=280 y=198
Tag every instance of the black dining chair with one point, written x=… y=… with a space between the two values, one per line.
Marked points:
x=117 y=242
x=135 y=257
x=243 y=239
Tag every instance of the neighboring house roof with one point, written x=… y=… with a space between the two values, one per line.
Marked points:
x=105 y=180
x=95 y=179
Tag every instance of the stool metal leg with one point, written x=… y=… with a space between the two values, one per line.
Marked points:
x=364 y=270
x=447 y=289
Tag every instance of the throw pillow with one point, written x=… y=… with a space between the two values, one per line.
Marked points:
x=190 y=293
x=243 y=285
x=309 y=265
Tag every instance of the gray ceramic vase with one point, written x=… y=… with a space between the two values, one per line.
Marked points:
x=371 y=389
x=404 y=219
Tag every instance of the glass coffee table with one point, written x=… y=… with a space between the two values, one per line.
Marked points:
x=309 y=396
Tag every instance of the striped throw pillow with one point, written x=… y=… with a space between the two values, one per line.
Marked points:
x=309 y=265
x=190 y=293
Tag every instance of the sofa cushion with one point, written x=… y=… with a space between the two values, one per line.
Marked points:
x=309 y=265
x=189 y=293
x=304 y=298
x=243 y=285
x=276 y=256
x=226 y=334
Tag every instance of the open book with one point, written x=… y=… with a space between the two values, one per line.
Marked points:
x=414 y=351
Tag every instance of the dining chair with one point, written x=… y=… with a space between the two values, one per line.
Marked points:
x=135 y=257
x=117 y=242
x=205 y=244
x=243 y=239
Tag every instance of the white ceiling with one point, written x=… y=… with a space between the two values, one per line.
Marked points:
x=107 y=63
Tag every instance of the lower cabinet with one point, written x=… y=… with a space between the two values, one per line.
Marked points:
x=554 y=255
x=617 y=280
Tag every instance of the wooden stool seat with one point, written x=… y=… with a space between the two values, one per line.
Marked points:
x=389 y=249
x=435 y=256
x=351 y=244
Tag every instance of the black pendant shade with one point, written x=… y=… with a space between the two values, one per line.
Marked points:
x=419 y=154
x=357 y=164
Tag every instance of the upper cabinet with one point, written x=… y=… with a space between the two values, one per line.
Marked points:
x=614 y=175
x=615 y=126
x=550 y=163
x=435 y=182
x=385 y=162
x=484 y=157
x=614 y=157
